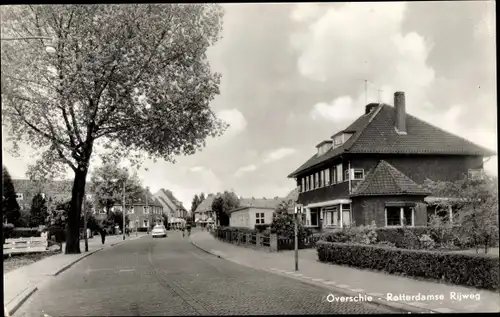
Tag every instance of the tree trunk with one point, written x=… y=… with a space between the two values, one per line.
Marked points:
x=73 y=222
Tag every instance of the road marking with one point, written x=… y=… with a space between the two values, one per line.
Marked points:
x=329 y=283
x=298 y=274
x=127 y=270
x=286 y=272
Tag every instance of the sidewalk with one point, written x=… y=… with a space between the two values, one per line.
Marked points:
x=352 y=281
x=21 y=283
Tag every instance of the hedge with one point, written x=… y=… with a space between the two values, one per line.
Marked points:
x=473 y=270
x=404 y=237
x=24 y=233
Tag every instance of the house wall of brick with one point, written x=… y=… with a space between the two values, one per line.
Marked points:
x=367 y=209
x=420 y=167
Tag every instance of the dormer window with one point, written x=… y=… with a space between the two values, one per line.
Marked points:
x=338 y=140
x=324 y=147
x=341 y=138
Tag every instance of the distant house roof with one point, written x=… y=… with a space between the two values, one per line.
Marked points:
x=385 y=179
x=206 y=204
x=374 y=133
x=262 y=203
x=172 y=198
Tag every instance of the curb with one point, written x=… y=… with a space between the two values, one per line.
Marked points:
x=403 y=308
x=14 y=305
x=75 y=261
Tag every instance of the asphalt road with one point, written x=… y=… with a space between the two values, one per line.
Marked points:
x=169 y=276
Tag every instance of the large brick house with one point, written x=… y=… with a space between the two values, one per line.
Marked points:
x=141 y=213
x=26 y=189
x=374 y=169
x=172 y=207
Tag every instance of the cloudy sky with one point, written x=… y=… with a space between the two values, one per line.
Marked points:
x=293 y=74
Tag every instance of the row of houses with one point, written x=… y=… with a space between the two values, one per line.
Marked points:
x=372 y=171
x=147 y=210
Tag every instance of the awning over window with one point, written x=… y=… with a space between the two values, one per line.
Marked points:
x=400 y=204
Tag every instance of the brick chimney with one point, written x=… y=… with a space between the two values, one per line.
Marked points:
x=400 y=112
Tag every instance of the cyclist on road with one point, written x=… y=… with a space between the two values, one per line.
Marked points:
x=188 y=227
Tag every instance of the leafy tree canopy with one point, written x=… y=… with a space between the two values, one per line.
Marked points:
x=106 y=186
x=222 y=204
x=10 y=207
x=132 y=78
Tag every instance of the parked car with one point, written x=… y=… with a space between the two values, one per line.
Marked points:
x=159 y=231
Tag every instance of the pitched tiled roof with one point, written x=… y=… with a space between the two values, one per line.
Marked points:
x=375 y=133
x=206 y=204
x=385 y=179
x=260 y=202
x=172 y=198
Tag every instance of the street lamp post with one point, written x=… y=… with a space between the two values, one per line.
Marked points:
x=85 y=224
x=123 y=216
x=298 y=210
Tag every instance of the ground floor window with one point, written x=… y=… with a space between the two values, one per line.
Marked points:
x=314 y=218
x=145 y=223
x=346 y=215
x=399 y=216
x=259 y=218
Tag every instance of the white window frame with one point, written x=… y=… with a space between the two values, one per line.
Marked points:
x=339 y=175
x=145 y=210
x=131 y=210
x=260 y=218
x=347 y=175
x=316 y=180
x=19 y=196
x=338 y=140
x=472 y=171
x=327 y=177
x=303 y=189
x=322 y=178
x=357 y=170
x=333 y=171
x=401 y=217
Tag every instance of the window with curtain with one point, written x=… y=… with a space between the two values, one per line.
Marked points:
x=339 y=173
x=327 y=177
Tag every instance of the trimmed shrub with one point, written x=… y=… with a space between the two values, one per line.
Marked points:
x=473 y=270
x=426 y=242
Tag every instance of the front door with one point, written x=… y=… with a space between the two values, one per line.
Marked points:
x=346 y=217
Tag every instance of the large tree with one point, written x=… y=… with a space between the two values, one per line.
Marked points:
x=476 y=204
x=38 y=213
x=222 y=204
x=133 y=78
x=106 y=186
x=195 y=203
x=10 y=207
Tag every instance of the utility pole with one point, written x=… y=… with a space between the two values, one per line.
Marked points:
x=147 y=208
x=123 y=215
x=85 y=224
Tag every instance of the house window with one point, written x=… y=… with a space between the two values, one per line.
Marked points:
x=303 y=188
x=358 y=174
x=333 y=176
x=43 y=195
x=19 y=196
x=314 y=218
x=346 y=175
x=476 y=174
x=339 y=173
x=327 y=177
x=316 y=180
x=259 y=218
x=399 y=216
x=322 y=178
x=146 y=210
x=337 y=140
x=145 y=223
x=131 y=210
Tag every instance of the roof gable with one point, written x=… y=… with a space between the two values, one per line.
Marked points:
x=206 y=204
x=375 y=133
x=385 y=179
x=380 y=136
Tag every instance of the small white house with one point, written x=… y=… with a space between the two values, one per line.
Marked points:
x=253 y=212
